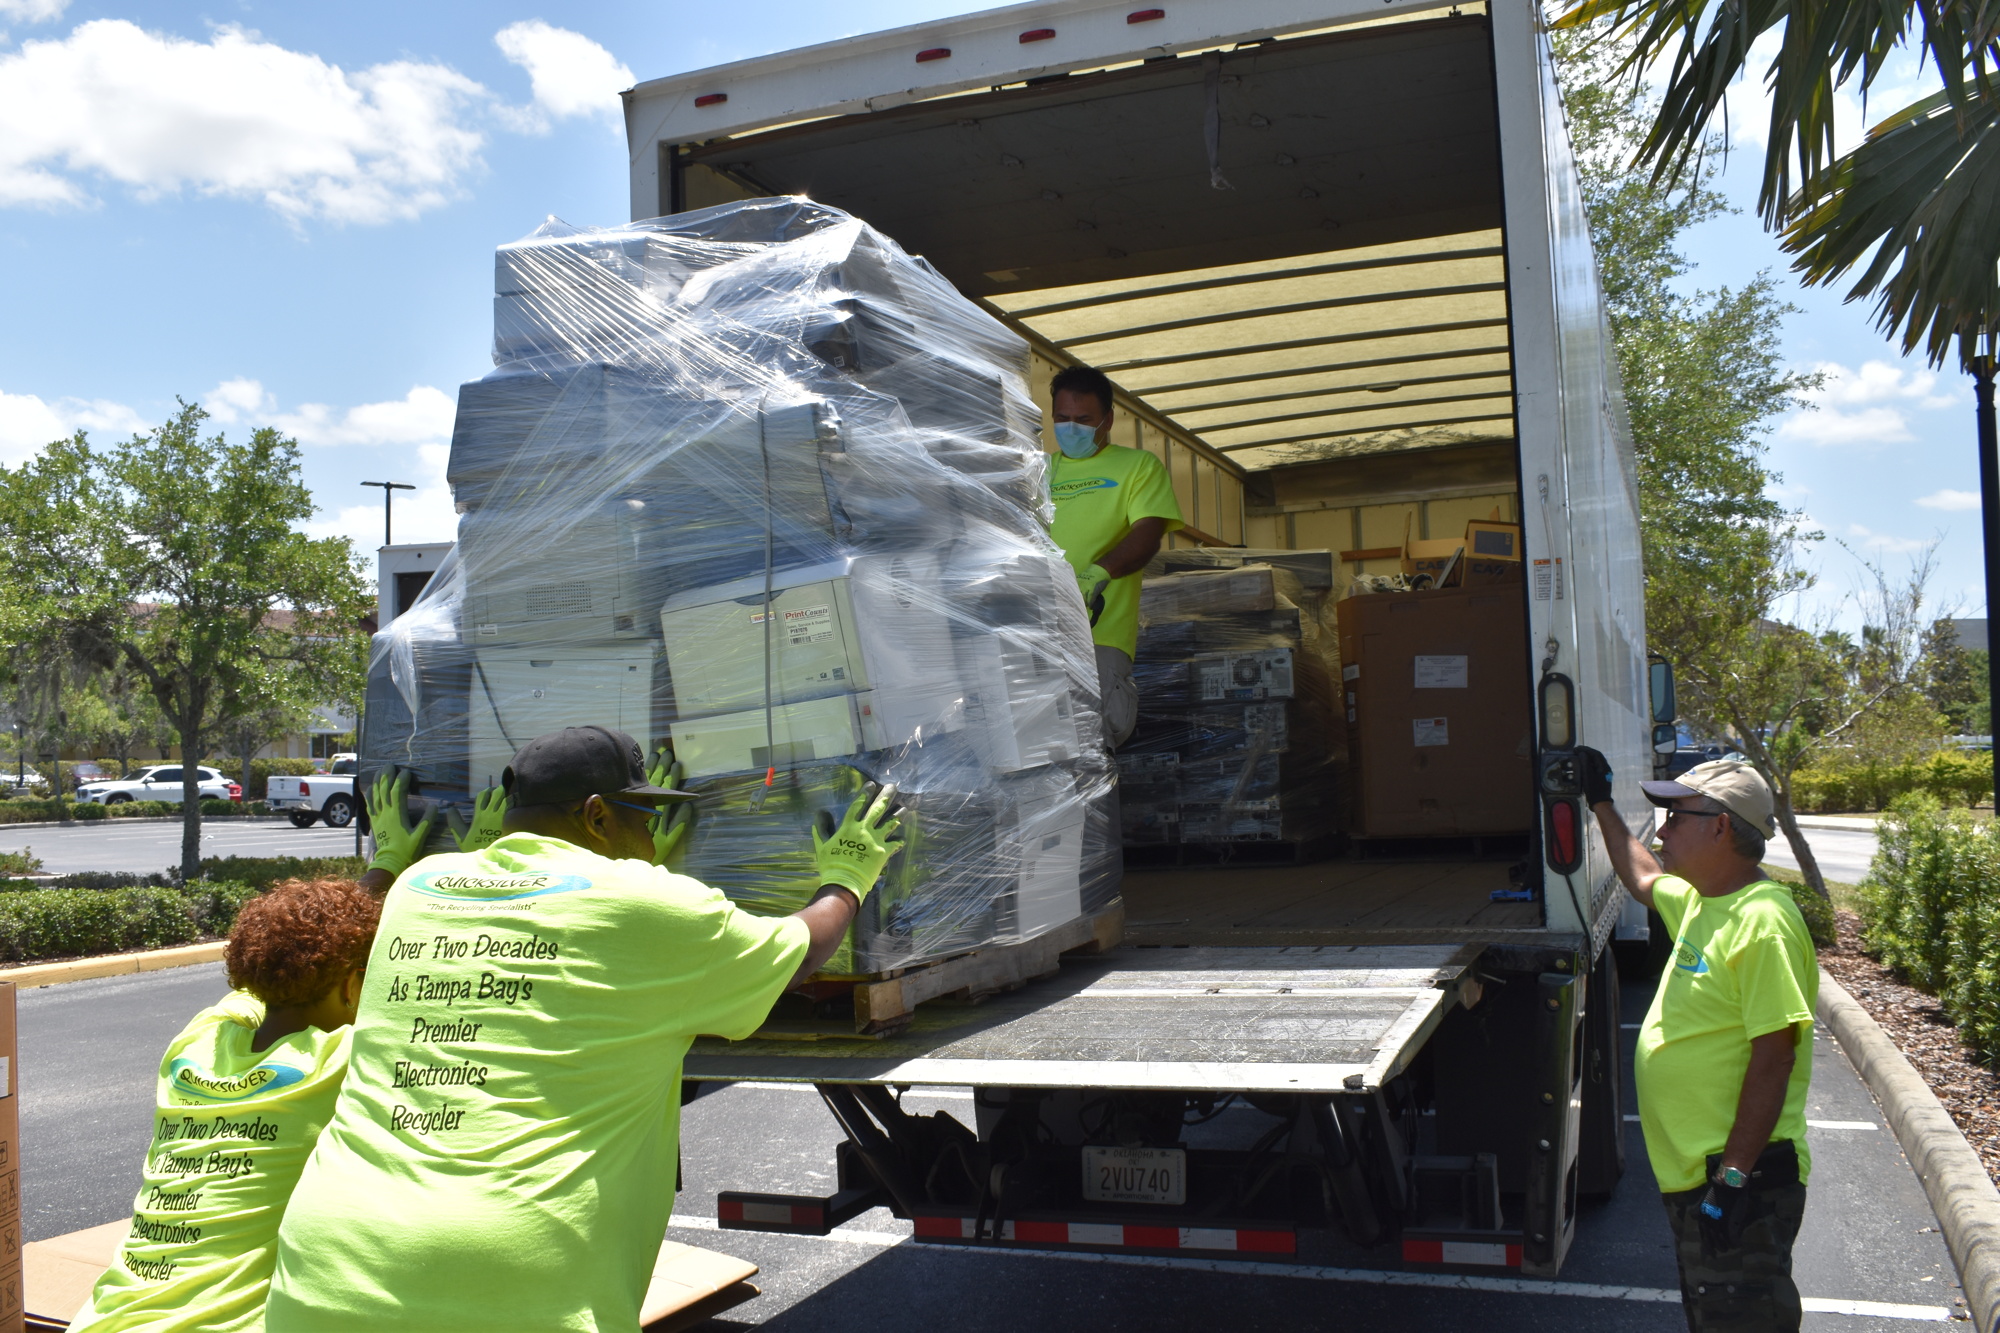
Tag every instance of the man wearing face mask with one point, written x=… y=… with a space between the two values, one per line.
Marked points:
x=1114 y=506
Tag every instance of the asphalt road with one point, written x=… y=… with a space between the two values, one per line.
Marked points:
x=1843 y=854
x=149 y=846
x=89 y=1050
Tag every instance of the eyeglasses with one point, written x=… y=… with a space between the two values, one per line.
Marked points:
x=1678 y=814
x=647 y=809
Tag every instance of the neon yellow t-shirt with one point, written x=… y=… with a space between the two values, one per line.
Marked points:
x=1743 y=966
x=1097 y=500
x=504 y=1153
x=231 y=1131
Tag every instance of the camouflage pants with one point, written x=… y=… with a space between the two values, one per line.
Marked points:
x=1749 y=1289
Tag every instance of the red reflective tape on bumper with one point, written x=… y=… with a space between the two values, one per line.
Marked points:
x=1042 y=1233
x=1153 y=1238
x=728 y=1210
x=1462 y=1253
x=1267 y=1242
x=1423 y=1252
x=951 y=1228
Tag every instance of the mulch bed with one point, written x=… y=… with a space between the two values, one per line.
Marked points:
x=1917 y=1024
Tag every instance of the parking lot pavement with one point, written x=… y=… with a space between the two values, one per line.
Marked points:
x=1843 y=854
x=145 y=847
x=89 y=1049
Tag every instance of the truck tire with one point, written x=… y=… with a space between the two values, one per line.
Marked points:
x=338 y=812
x=1600 y=1149
x=303 y=818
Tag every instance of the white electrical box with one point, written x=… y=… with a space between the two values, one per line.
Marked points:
x=860 y=623
x=521 y=693
x=784 y=735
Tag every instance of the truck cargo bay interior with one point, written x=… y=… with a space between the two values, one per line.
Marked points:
x=1289 y=255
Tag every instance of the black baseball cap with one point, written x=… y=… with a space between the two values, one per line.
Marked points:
x=576 y=762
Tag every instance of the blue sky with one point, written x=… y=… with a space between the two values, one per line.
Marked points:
x=289 y=212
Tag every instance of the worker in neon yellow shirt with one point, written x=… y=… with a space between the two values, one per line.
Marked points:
x=1114 y=506
x=243 y=1094
x=503 y=1155
x=1725 y=1054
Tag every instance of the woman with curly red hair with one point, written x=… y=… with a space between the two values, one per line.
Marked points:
x=244 y=1091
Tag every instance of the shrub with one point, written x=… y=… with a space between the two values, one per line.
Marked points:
x=1932 y=900
x=1951 y=777
x=88 y=812
x=1817 y=911
x=113 y=879
x=54 y=923
x=33 y=811
x=23 y=862
x=134 y=809
x=264 y=871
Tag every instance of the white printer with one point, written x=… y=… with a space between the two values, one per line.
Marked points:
x=519 y=693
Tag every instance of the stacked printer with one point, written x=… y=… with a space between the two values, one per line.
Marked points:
x=754 y=483
x=1235 y=752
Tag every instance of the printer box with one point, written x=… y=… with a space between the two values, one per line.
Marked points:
x=1439 y=713
x=1492 y=554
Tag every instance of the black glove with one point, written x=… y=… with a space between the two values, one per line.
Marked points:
x=1725 y=1212
x=1593 y=771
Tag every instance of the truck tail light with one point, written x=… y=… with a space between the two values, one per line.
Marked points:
x=934 y=53
x=1558 y=713
x=1565 y=850
x=1145 y=15
x=1037 y=35
x=305 y=789
x=711 y=99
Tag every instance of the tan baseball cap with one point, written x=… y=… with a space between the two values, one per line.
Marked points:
x=1734 y=782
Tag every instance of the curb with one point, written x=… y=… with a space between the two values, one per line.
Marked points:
x=1955 y=1180
x=34 y=975
x=1843 y=823
x=113 y=821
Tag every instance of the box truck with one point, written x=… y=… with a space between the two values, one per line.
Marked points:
x=1334 y=253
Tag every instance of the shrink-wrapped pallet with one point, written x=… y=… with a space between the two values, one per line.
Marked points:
x=754 y=483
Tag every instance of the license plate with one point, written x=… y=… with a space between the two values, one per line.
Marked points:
x=1135 y=1175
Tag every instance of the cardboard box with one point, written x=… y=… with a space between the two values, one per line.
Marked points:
x=1438 y=708
x=1213 y=592
x=1492 y=555
x=1437 y=557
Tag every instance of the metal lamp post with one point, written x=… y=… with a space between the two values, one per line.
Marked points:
x=1978 y=355
x=389 y=489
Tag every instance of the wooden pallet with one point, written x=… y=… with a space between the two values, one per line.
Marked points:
x=891 y=1002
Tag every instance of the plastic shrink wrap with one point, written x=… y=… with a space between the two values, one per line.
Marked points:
x=1236 y=750
x=753 y=482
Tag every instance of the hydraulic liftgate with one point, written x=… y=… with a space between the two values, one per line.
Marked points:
x=1313 y=1037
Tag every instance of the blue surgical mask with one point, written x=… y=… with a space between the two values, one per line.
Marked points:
x=1076 y=441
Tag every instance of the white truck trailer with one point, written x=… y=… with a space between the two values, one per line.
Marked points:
x=1334 y=253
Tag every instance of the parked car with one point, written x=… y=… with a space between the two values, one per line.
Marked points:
x=161 y=782
x=21 y=782
x=84 y=772
x=307 y=800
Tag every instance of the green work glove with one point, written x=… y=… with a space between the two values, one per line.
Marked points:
x=489 y=816
x=1092 y=582
x=397 y=845
x=670 y=826
x=854 y=856
x=663 y=771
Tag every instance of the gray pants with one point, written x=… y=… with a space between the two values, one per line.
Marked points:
x=1119 y=694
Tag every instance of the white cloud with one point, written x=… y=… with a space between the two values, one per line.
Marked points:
x=28 y=423
x=33 y=11
x=1950 y=499
x=422 y=416
x=423 y=515
x=1865 y=405
x=1887 y=543
x=570 y=74
x=233 y=116
x=238 y=399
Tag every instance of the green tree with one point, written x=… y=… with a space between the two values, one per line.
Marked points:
x=1955 y=680
x=118 y=715
x=177 y=556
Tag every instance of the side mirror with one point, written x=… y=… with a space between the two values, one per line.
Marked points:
x=1660 y=676
x=1665 y=739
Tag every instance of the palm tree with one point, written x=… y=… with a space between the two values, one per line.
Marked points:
x=1915 y=207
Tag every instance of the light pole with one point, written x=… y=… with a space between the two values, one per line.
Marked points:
x=389 y=489
x=1979 y=358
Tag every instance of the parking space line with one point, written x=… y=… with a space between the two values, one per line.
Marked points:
x=1371 y=1276
x=1841 y=1124
x=948 y=1094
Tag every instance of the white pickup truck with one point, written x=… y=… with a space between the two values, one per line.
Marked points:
x=329 y=795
